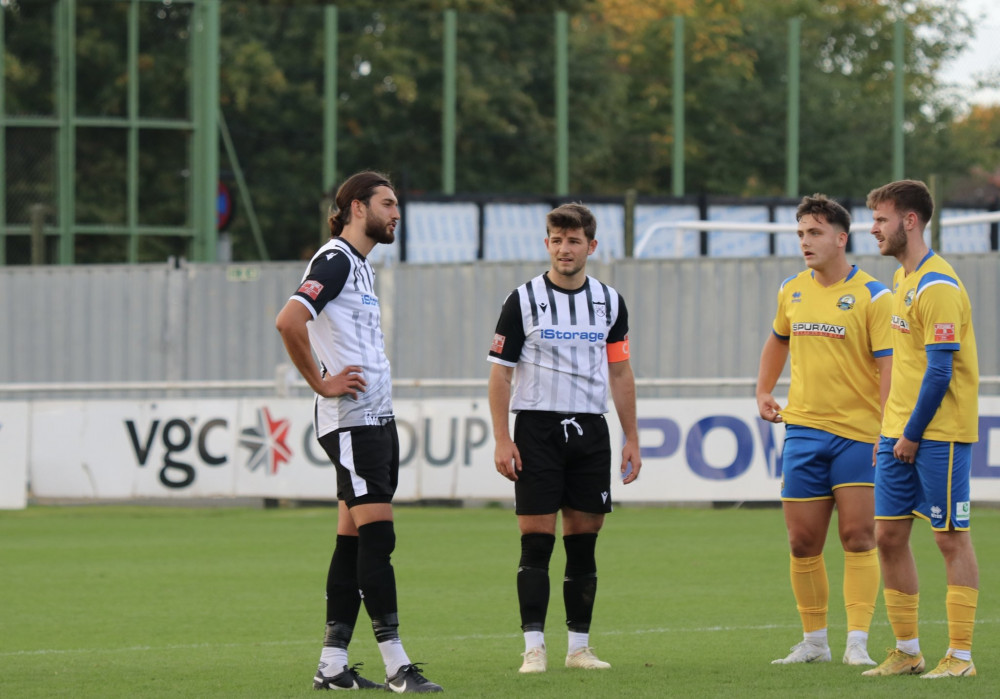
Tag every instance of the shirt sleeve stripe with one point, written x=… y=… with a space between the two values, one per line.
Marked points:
x=932 y=278
x=877 y=289
x=306 y=304
x=497 y=360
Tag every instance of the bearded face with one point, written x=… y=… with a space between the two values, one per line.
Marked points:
x=381 y=230
x=895 y=242
x=381 y=216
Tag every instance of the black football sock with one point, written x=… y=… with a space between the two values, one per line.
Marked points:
x=377 y=580
x=533 y=579
x=580 y=583
x=343 y=598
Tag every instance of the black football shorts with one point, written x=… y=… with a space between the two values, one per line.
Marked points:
x=566 y=462
x=366 y=459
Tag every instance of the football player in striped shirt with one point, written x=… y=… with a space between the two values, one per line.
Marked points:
x=335 y=313
x=931 y=422
x=833 y=319
x=561 y=343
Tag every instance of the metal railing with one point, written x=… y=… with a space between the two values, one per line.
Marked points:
x=680 y=227
x=284 y=387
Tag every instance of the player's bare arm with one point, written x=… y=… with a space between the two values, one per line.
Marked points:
x=346 y=383
x=291 y=323
x=772 y=361
x=621 y=381
x=884 y=366
x=506 y=456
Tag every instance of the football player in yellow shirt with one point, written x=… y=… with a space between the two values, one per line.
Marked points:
x=833 y=319
x=931 y=422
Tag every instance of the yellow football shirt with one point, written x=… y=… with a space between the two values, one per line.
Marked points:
x=931 y=312
x=834 y=335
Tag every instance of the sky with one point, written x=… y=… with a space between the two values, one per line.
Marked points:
x=982 y=54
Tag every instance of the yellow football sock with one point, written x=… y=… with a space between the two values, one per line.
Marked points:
x=960 y=602
x=902 y=612
x=861 y=579
x=811 y=590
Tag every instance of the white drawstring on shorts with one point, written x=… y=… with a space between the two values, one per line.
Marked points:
x=571 y=421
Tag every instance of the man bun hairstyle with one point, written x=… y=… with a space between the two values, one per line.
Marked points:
x=822 y=205
x=905 y=196
x=570 y=217
x=359 y=186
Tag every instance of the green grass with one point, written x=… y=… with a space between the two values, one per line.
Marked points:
x=109 y=601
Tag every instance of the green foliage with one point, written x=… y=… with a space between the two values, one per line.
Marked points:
x=736 y=92
x=115 y=601
x=390 y=101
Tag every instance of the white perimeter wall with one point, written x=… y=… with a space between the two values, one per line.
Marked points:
x=13 y=454
x=694 y=450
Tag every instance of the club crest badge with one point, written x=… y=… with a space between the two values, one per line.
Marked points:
x=846 y=302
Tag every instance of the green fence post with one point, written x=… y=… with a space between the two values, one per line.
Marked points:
x=329 y=96
x=65 y=25
x=562 y=103
x=132 y=180
x=3 y=146
x=792 y=137
x=38 y=252
x=448 y=106
x=678 y=108
x=899 y=67
x=206 y=155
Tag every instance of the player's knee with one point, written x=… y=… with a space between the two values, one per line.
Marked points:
x=376 y=542
x=805 y=544
x=536 y=550
x=889 y=540
x=580 y=557
x=344 y=563
x=954 y=545
x=858 y=539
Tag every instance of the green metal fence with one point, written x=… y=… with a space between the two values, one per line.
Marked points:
x=113 y=134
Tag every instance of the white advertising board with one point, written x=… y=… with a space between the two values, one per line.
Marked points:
x=13 y=455
x=694 y=450
x=245 y=448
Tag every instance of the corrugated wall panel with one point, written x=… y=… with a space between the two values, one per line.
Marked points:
x=689 y=318
x=981 y=276
x=442 y=319
x=82 y=323
x=229 y=331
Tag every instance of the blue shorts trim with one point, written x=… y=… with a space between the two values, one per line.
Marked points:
x=814 y=463
x=935 y=488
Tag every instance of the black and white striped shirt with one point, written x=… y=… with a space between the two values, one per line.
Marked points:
x=557 y=342
x=338 y=288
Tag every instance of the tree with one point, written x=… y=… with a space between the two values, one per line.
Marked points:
x=736 y=89
x=977 y=137
x=390 y=101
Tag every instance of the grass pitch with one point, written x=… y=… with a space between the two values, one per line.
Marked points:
x=114 y=601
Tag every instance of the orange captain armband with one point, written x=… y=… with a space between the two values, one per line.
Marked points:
x=618 y=351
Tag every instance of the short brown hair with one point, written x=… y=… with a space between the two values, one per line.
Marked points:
x=570 y=217
x=359 y=186
x=821 y=205
x=904 y=195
